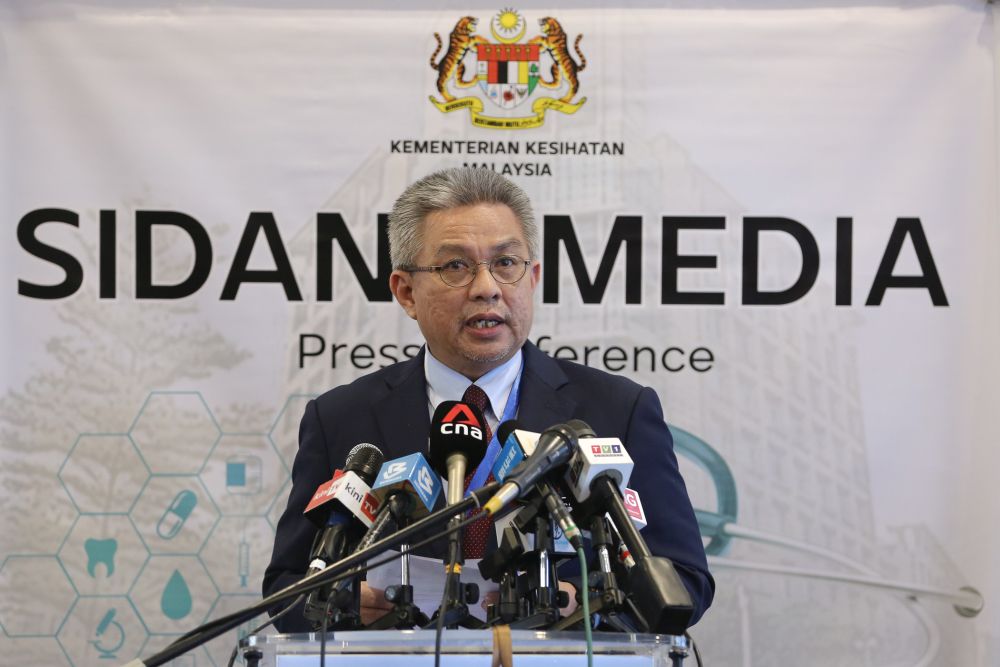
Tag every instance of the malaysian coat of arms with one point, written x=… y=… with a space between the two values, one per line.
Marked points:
x=495 y=80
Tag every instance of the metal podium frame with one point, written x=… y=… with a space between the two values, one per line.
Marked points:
x=397 y=648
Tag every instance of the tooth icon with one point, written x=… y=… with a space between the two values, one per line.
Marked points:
x=101 y=552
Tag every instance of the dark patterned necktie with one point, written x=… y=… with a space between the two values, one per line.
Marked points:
x=477 y=533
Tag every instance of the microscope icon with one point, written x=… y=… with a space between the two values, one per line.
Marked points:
x=106 y=643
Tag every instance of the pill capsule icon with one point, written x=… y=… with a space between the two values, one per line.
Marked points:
x=176 y=514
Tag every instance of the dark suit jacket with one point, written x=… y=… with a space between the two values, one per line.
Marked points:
x=388 y=408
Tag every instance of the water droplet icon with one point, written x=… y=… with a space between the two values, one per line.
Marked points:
x=176 y=599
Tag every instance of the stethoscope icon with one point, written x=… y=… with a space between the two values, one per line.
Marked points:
x=108 y=653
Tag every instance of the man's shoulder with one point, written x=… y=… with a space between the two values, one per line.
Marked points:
x=584 y=378
x=369 y=387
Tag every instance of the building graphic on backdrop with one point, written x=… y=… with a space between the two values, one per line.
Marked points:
x=496 y=80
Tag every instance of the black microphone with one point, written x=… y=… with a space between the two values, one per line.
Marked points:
x=555 y=446
x=348 y=493
x=457 y=443
x=507 y=432
x=655 y=588
x=346 y=507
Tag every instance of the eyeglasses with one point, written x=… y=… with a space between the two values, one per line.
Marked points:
x=459 y=272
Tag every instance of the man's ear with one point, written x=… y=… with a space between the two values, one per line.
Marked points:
x=401 y=286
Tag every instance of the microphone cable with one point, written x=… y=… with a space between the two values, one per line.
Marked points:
x=694 y=649
x=439 y=626
x=585 y=601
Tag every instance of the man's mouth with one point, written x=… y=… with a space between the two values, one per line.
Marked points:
x=486 y=322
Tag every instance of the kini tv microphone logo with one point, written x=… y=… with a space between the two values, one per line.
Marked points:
x=351 y=491
x=460 y=420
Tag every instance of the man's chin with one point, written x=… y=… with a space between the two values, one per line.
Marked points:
x=489 y=357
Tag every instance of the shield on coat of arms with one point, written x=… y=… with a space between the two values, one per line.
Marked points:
x=507 y=73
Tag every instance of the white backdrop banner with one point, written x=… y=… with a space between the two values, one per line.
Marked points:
x=783 y=218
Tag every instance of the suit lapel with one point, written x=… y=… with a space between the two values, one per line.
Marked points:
x=401 y=414
x=404 y=420
x=542 y=404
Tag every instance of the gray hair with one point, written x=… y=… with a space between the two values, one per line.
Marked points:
x=451 y=188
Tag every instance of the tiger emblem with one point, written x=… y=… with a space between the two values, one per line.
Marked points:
x=553 y=41
x=462 y=40
x=492 y=75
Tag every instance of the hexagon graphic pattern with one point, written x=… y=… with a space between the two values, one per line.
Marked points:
x=40 y=513
x=34 y=595
x=102 y=555
x=174 y=514
x=101 y=631
x=103 y=473
x=42 y=651
x=173 y=594
x=156 y=530
x=285 y=432
x=175 y=432
x=244 y=474
x=238 y=552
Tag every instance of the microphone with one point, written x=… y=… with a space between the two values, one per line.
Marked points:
x=349 y=490
x=518 y=445
x=457 y=443
x=397 y=485
x=596 y=457
x=655 y=588
x=633 y=505
x=555 y=446
x=341 y=506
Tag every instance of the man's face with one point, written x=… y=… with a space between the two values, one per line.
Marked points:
x=471 y=329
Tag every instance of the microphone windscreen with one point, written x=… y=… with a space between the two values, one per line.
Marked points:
x=365 y=460
x=457 y=428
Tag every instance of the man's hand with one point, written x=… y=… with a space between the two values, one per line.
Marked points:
x=493 y=596
x=373 y=604
x=571 y=592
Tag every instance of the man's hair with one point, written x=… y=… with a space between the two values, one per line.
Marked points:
x=447 y=189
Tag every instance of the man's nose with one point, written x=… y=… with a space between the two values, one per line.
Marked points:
x=484 y=285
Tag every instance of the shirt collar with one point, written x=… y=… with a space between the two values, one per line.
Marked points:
x=446 y=384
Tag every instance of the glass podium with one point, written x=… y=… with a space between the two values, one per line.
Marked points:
x=406 y=648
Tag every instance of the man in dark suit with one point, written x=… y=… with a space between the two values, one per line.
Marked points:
x=476 y=231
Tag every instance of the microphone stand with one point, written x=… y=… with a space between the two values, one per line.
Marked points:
x=541 y=572
x=337 y=607
x=655 y=590
x=501 y=567
x=405 y=614
x=606 y=598
x=458 y=596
